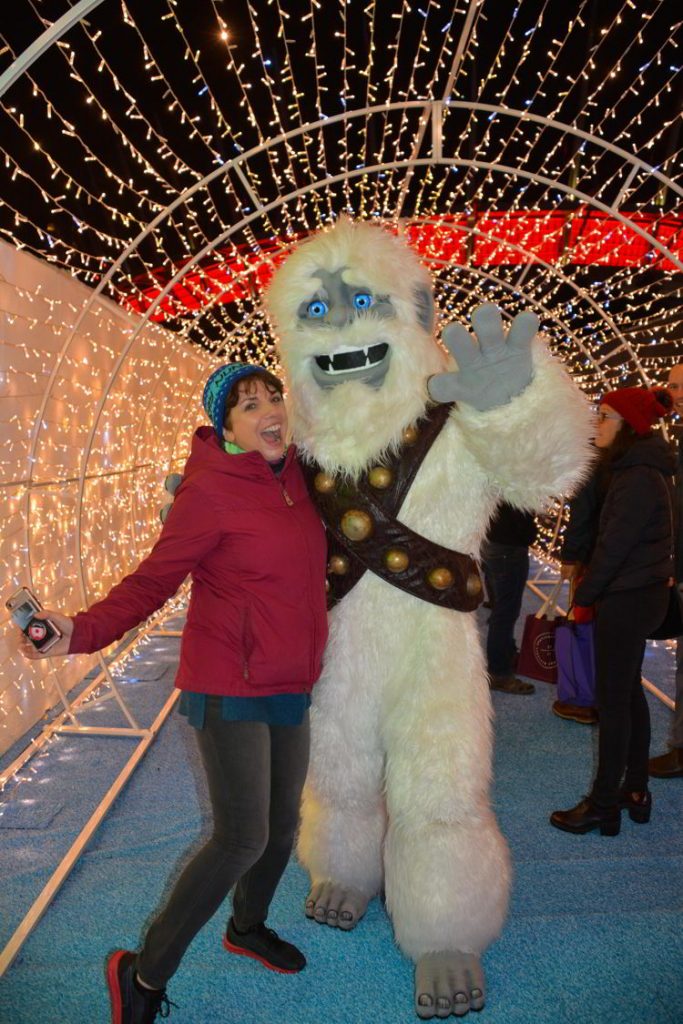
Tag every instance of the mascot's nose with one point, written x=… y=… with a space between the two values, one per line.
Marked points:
x=340 y=315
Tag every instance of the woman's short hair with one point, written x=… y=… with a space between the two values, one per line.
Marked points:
x=248 y=385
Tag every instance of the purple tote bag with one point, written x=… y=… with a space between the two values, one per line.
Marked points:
x=575 y=656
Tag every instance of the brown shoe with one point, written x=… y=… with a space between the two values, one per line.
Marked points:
x=575 y=712
x=585 y=817
x=511 y=684
x=667 y=766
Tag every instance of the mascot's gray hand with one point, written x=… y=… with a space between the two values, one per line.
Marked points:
x=491 y=369
x=171 y=485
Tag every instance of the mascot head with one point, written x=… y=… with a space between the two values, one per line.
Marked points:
x=353 y=311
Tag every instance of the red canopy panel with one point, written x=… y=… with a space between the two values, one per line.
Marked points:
x=580 y=237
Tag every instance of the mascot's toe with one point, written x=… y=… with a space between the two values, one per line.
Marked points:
x=340 y=906
x=448 y=983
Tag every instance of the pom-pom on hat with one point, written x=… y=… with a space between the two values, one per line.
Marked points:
x=640 y=407
x=217 y=389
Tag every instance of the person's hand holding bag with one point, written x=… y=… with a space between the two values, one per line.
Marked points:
x=583 y=613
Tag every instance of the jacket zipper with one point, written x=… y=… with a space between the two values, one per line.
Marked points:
x=289 y=502
x=245 y=662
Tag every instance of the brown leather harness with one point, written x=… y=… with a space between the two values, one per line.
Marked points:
x=364 y=533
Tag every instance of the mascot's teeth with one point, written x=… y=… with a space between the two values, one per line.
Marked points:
x=345 y=359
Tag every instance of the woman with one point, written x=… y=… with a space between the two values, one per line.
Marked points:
x=243 y=526
x=627 y=578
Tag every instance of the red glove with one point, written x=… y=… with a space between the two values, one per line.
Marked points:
x=583 y=612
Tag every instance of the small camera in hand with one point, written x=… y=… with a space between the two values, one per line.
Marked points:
x=23 y=607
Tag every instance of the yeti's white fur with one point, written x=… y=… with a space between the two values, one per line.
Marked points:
x=397 y=796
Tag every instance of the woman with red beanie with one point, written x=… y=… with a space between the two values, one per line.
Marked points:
x=627 y=579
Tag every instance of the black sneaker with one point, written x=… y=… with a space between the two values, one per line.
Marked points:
x=130 y=1003
x=266 y=946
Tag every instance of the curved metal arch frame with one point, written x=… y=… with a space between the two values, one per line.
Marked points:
x=430 y=109
x=44 y=41
x=435 y=109
x=507 y=286
x=555 y=271
x=210 y=246
x=558 y=273
x=358 y=172
x=11 y=75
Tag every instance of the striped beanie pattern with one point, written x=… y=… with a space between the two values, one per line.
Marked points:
x=217 y=389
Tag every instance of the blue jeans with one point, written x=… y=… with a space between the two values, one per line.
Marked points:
x=506 y=568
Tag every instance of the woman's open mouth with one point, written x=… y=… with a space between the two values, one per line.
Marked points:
x=273 y=435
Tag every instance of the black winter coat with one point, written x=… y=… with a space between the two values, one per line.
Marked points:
x=584 y=517
x=635 y=541
x=512 y=526
x=679 y=511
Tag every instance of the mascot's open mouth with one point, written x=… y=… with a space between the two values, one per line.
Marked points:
x=345 y=363
x=345 y=358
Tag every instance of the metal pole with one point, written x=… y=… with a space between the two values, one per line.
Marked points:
x=44 y=42
x=54 y=884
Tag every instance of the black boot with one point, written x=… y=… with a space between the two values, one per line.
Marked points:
x=638 y=805
x=586 y=816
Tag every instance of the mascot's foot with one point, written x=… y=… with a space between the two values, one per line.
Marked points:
x=340 y=906
x=448 y=983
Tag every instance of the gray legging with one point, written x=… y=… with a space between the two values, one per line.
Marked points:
x=255 y=774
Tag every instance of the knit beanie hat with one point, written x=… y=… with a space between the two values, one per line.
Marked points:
x=217 y=389
x=640 y=407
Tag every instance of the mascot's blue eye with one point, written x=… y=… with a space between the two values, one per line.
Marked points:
x=317 y=308
x=362 y=300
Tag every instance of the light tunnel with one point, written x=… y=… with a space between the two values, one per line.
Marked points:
x=101 y=366
x=156 y=167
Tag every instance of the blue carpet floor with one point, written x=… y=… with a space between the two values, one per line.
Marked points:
x=594 y=933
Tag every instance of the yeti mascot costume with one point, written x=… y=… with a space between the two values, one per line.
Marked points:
x=407 y=454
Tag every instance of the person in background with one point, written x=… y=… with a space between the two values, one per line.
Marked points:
x=577 y=547
x=627 y=579
x=242 y=524
x=670 y=765
x=505 y=560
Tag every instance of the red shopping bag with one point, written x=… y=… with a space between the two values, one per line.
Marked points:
x=537 y=652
